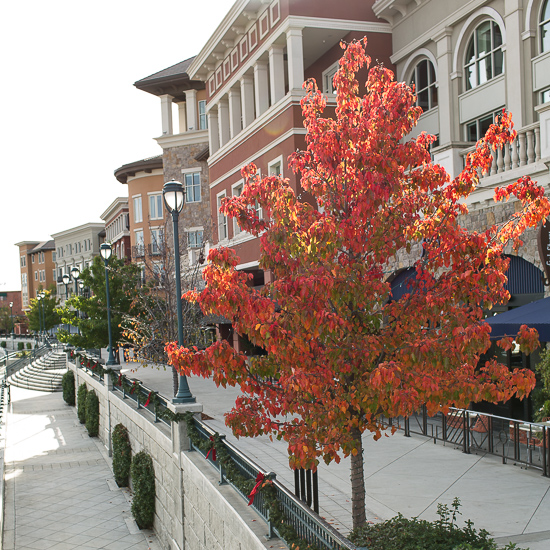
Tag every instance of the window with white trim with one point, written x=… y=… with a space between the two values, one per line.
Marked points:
x=194 y=238
x=237 y=189
x=544 y=27
x=23 y=261
x=328 y=79
x=203 y=118
x=157 y=240
x=423 y=78
x=476 y=129
x=193 y=187
x=222 y=218
x=139 y=243
x=484 y=55
x=275 y=167
x=155 y=207
x=545 y=96
x=138 y=214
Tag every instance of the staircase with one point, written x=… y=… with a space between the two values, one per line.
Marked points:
x=44 y=374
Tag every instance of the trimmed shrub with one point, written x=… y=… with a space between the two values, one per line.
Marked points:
x=3 y=344
x=20 y=346
x=29 y=345
x=68 y=385
x=81 y=408
x=92 y=414
x=122 y=455
x=143 y=481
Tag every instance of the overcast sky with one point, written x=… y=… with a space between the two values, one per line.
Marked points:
x=69 y=113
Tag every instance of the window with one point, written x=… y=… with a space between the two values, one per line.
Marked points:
x=484 y=55
x=193 y=187
x=476 y=129
x=423 y=78
x=32 y=258
x=237 y=190
x=222 y=220
x=194 y=239
x=275 y=167
x=157 y=240
x=155 y=207
x=328 y=79
x=139 y=243
x=36 y=275
x=545 y=27
x=203 y=119
x=23 y=261
x=138 y=215
x=545 y=96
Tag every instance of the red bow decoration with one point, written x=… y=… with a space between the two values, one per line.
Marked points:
x=88 y=364
x=147 y=403
x=212 y=450
x=259 y=478
x=133 y=389
x=120 y=379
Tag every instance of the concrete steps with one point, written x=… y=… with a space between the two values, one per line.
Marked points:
x=44 y=374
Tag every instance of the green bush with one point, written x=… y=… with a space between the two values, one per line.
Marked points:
x=20 y=346
x=92 y=414
x=400 y=533
x=143 y=481
x=68 y=385
x=29 y=345
x=3 y=344
x=81 y=408
x=122 y=455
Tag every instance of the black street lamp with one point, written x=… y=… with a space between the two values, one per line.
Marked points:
x=11 y=315
x=75 y=272
x=174 y=198
x=43 y=304
x=105 y=250
x=66 y=280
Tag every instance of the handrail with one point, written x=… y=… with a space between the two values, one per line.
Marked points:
x=24 y=361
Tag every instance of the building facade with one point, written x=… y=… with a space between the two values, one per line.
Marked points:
x=37 y=265
x=117 y=228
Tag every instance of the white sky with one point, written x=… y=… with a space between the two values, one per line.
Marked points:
x=69 y=113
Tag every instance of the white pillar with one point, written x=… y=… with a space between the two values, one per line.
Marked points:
x=444 y=92
x=295 y=51
x=182 y=118
x=223 y=121
x=234 y=112
x=276 y=73
x=191 y=103
x=247 y=99
x=261 y=89
x=213 y=131
x=544 y=136
x=513 y=59
x=166 y=109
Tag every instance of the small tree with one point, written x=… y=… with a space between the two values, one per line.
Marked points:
x=341 y=350
x=81 y=403
x=68 y=385
x=143 y=483
x=122 y=455
x=92 y=413
x=43 y=313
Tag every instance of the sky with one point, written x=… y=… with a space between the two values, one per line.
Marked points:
x=69 y=112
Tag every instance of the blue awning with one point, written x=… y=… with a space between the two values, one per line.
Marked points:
x=534 y=315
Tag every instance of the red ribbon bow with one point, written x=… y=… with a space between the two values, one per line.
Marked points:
x=259 y=478
x=147 y=403
x=212 y=450
x=120 y=379
x=133 y=389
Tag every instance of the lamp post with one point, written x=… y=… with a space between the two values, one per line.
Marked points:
x=66 y=280
x=43 y=304
x=174 y=198
x=11 y=315
x=105 y=250
x=75 y=272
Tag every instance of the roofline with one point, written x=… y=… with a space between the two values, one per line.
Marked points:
x=146 y=165
x=112 y=206
x=89 y=225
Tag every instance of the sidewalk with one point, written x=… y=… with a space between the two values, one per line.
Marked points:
x=408 y=475
x=60 y=491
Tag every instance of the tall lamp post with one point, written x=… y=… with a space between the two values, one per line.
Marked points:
x=11 y=315
x=66 y=279
x=43 y=303
x=105 y=250
x=174 y=198
x=39 y=298
x=75 y=272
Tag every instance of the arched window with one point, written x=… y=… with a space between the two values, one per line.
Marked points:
x=484 y=55
x=423 y=77
x=545 y=27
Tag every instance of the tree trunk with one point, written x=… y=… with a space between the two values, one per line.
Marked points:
x=358 y=512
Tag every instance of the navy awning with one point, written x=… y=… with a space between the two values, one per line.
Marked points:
x=534 y=315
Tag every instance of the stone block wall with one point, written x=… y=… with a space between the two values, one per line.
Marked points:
x=193 y=512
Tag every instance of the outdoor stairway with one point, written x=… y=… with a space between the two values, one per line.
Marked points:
x=44 y=374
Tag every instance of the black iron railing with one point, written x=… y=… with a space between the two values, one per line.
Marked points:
x=526 y=443
x=29 y=357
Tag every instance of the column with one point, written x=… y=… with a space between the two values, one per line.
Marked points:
x=182 y=117
x=223 y=121
x=276 y=73
x=166 y=109
x=247 y=99
x=213 y=131
x=295 y=51
x=261 y=89
x=513 y=63
x=444 y=90
x=191 y=103
x=234 y=111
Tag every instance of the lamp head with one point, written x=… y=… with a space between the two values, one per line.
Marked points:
x=105 y=250
x=81 y=284
x=66 y=278
x=11 y=304
x=174 y=195
x=75 y=272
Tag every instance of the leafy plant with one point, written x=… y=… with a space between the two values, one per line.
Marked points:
x=20 y=346
x=143 y=482
x=81 y=406
x=92 y=414
x=29 y=345
x=541 y=396
x=400 y=533
x=122 y=455
x=3 y=344
x=68 y=385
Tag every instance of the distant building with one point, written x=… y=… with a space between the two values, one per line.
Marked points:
x=117 y=228
x=37 y=265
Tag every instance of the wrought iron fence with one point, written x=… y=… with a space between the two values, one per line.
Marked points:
x=30 y=356
x=526 y=443
x=308 y=525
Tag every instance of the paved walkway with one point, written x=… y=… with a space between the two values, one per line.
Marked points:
x=409 y=475
x=60 y=491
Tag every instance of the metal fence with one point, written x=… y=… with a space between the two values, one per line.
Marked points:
x=525 y=443
x=30 y=356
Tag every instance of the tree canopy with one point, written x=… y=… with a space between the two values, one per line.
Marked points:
x=43 y=314
x=341 y=349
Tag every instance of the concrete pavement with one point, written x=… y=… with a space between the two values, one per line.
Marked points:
x=60 y=490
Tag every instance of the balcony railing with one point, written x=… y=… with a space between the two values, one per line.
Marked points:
x=524 y=150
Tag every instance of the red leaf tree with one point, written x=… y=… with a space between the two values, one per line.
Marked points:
x=340 y=349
